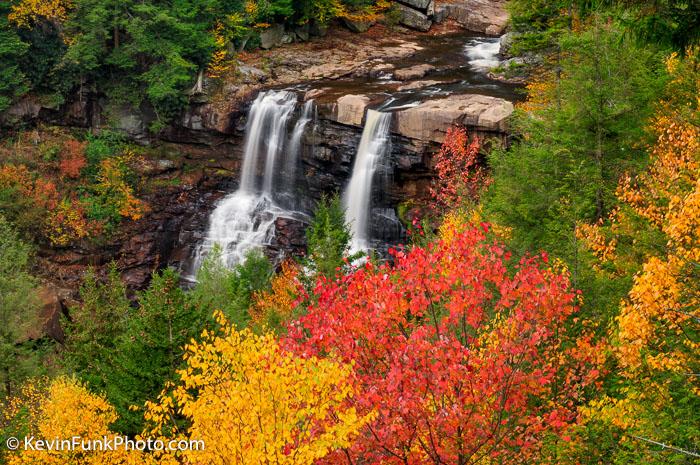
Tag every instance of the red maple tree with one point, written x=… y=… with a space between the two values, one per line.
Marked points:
x=458 y=172
x=459 y=351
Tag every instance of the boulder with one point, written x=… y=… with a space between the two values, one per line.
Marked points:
x=272 y=36
x=429 y=120
x=357 y=26
x=351 y=109
x=302 y=32
x=317 y=30
x=487 y=16
x=506 y=42
x=290 y=235
x=49 y=321
x=132 y=121
x=417 y=4
x=413 y=19
x=414 y=72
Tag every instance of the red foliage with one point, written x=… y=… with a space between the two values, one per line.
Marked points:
x=72 y=158
x=460 y=358
x=18 y=178
x=458 y=171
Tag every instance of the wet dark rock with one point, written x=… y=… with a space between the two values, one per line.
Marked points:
x=290 y=236
x=413 y=19
x=272 y=36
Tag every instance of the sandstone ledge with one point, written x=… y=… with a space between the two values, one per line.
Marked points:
x=429 y=120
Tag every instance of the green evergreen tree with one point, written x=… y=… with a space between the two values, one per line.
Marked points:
x=328 y=237
x=231 y=290
x=565 y=168
x=95 y=326
x=149 y=351
x=19 y=305
x=12 y=81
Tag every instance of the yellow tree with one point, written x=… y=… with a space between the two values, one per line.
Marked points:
x=61 y=411
x=656 y=333
x=27 y=12
x=252 y=402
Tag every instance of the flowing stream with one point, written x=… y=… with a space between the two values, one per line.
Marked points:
x=357 y=198
x=245 y=219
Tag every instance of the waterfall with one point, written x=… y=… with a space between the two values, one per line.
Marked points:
x=287 y=196
x=483 y=53
x=246 y=218
x=358 y=196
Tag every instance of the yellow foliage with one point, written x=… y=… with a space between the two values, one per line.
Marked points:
x=66 y=409
x=595 y=240
x=251 y=402
x=540 y=90
x=29 y=11
x=67 y=223
x=111 y=183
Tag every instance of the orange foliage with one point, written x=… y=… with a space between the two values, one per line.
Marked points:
x=664 y=299
x=280 y=301
x=540 y=91
x=18 y=177
x=68 y=222
x=72 y=158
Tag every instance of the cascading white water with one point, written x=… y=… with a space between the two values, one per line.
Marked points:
x=287 y=196
x=245 y=219
x=357 y=197
x=483 y=53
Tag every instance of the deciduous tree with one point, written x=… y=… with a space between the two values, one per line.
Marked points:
x=251 y=401
x=462 y=359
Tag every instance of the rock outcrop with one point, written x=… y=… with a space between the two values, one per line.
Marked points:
x=429 y=120
x=272 y=36
x=413 y=18
x=414 y=72
x=351 y=109
x=486 y=16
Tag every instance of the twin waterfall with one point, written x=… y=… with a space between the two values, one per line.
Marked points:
x=357 y=198
x=245 y=219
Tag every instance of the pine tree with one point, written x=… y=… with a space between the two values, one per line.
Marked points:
x=94 y=327
x=18 y=308
x=150 y=350
x=328 y=237
x=12 y=80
